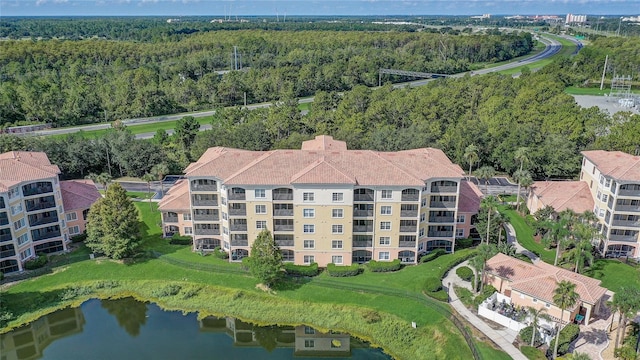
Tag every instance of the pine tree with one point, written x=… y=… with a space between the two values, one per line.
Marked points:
x=112 y=224
x=265 y=262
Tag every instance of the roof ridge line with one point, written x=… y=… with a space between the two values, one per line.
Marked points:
x=251 y=164
x=377 y=153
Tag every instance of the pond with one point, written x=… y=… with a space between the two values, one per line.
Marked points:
x=128 y=329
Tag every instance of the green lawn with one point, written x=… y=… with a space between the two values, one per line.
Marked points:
x=573 y=90
x=524 y=233
x=532 y=353
x=614 y=274
x=141 y=128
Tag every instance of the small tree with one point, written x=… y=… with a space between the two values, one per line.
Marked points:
x=148 y=178
x=471 y=155
x=160 y=170
x=535 y=315
x=489 y=203
x=564 y=296
x=485 y=252
x=485 y=173
x=265 y=262
x=112 y=224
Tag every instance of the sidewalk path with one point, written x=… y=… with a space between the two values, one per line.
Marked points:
x=502 y=338
x=511 y=238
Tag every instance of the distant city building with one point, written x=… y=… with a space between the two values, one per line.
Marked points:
x=483 y=16
x=323 y=203
x=575 y=19
x=632 y=19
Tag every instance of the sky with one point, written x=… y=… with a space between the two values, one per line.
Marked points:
x=314 y=7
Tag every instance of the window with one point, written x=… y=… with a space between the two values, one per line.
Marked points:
x=308 y=213
x=260 y=193
x=225 y=217
x=223 y=200
x=385 y=240
x=337 y=213
x=461 y=219
x=459 y=233
x=261 y=209
x=225 y=230
x=383 y=255
x=387 y=194
x=309 y=259
x=605 y=198
x=423 y=203
x=186 y=216
x=336 y=229
x=188 y=230
x=336 y=244
x=74 y=230
x=16 y=208
x=18 y=224
x=25 y=254
x=309 y=228
x=309 y=330
x=308 y=343
x=385 y=225
x=337 y=197
x=423 y=217
x=23 y=239
x=547 y=305
x=309 y=244
x=599 y=195
x=421 y=232
x=71 y=216
x=385 y=210
x=336 y=259
x=261 y=224
x=308 y=197
x=13 y=193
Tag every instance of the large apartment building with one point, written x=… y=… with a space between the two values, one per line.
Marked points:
x=610 y=187
x=323 y=203
x=32 y=211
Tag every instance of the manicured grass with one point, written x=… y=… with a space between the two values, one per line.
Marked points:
x=140 y=128
x=573 y=90
x=490 y=353
x=614 y=274
x=524 y=233
x=532 y=353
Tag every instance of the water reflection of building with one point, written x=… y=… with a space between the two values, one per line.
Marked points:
x=29 y=342
x=305 y=340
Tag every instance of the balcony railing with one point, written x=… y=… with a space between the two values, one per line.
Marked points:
x=195 y=187
x=626 y=238
x=4 y=221
x=237 y=196
x=363 y=197
x=207 y=231
x=7 y=253
x=238 y=227
x=443 y=204
x=362 y=228
x=5 y=237
x=44 y=236
x=280 y=196
x=33 y=206
x=283 y=212
x=42 y=220
x=409 y=244
x=442 y=219
x=629 y=192
x=206 y=217
x=440 y=234
x=283 y=227
x=628 y=223
x=239 y=242
x=362 y=243
x=238 y=212
x=410 y=197
x=170 y=219
x=30 y=191
x=362 y=213
x=634 y=208
x=409 y=228
x=409 y=213
x=443 y=189
x=285 y=242
x=210 y=202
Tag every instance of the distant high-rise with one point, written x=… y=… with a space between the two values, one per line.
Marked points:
x=573 y=19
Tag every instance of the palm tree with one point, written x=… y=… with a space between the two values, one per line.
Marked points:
x=103 y=179
x=160 y=170
x=485 y=252
x=522 y=155
x=507 y=249
x=477 y=264
x=535 y=315
x=581 y=253
x=564 y=296
x=627 y=302
x=148 y=178
x=501 y=221
x=471 y=155
x=489 y=203
x=519 y=175
x=485 y=173
x=526 y=181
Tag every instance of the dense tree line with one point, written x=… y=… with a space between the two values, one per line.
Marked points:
x=65 y=82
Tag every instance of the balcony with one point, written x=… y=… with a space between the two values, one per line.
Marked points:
x=410 y=196
x=205 y=201
x=207 y=231
x=206 y=217
x=5 y=237
x=446 y=234
x=170 y=219
x=408 y=228
x=238 y=211
x=239 y=240
x=284 y=243
x=238 y=227
x=362 y=243
x=7 y=253
x=631 y=208
x=443 y=204
x=362 y=213
x=444 y=189
x=409 y=213
x=408 y=244
x=625 y=191
x=35 y=236
x=204 y=185
x=363 y=195
x=283 y=227
x=41 y=220
x=47 y=202
x=363 y=228
x=283 y=212
x=237 y=196
x=625 y=238
x=4 y=220
x=442 y=219
x=282 y=194
x=626 y=223
x=37 y=189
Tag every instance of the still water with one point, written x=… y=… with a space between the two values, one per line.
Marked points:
x=128 y=329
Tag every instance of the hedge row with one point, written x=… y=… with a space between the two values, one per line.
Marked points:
x=465 y=273
x=36 y=263
x=220 y=254
x=567 y=335
x=301 y=270
x=79 y=238
x=433 y=255
x=180 y=240
x=384 y=266
x=343 y=271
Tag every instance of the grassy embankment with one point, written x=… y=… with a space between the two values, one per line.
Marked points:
x=524 y=234
x=181 y=279
x=568 y=48
x=573 y=90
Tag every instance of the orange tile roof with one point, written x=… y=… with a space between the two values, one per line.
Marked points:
x=324 y=160
x=540 y=279
x=562 y=195
x=78 y=194
x=615 y=164
x=470 y=197
x=19 y=166
x=177 y=197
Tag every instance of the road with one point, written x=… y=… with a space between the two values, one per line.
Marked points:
x=552 y=48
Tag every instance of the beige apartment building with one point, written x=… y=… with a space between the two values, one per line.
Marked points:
x=32 y=211
x=322 y=203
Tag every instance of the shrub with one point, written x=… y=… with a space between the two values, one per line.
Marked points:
x=433 y=255
x=343 y=271
x=371 y=316
x=75 y=291
x=246 y=263
x=525 y=336
x=106 y=284
x=190 y=292
x=180 y=240
x=567 y=335
x=167 y=290
x=36 y=263
x=220 y=254
x=465 y=273
x=432 y=284
x=301 y=270
x=439 y=295
x=463 y=243
x=523 y=257
x=79 y=238
x=384 y=266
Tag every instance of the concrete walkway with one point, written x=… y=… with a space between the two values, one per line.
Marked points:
x=503 y=338
x=511 y=239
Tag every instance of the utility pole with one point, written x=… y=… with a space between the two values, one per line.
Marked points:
x=235 y=58
x=606 y=59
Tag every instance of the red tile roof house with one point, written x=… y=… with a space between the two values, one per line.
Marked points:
x=77 y=198
x=533 y=285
